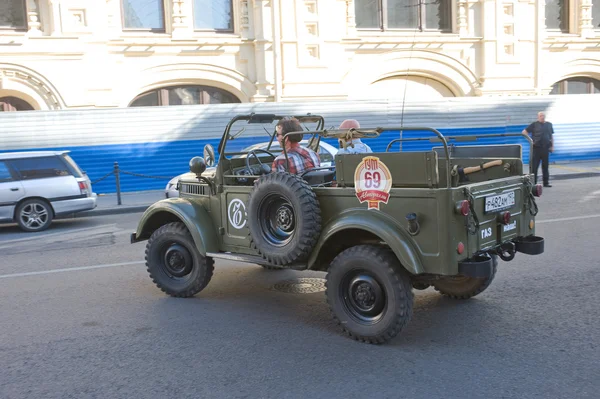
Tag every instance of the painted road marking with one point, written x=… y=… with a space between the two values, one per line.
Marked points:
x=72 y=269
x=54 y=234
x=567 y=219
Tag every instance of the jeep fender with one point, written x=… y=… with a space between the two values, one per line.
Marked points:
x=193 y=215
x=378 y=224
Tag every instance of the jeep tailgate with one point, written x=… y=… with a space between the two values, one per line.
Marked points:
x=501 y=210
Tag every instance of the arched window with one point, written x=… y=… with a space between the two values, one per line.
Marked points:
x=8 y=104
x=184 y=95
x=578 y=85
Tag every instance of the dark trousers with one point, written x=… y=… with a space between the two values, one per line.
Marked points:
x=541 y=154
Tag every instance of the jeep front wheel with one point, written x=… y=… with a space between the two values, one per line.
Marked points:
x=463 y=287
x=369 y=293
x=175 y=264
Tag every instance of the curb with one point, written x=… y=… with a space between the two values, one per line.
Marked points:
x=569 y=176
x=119 y=210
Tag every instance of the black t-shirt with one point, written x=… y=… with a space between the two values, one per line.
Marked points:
x=541 y=133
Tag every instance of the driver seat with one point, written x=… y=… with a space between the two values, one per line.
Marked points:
x=319 y=177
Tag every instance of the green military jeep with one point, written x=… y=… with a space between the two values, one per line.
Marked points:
x=380 y=224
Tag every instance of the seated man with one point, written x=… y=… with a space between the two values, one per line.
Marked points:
x=300 y=158
x=354 y=146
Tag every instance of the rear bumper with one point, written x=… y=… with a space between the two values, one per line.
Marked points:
x=480 y=265
x=530 y=245
x=75 y=205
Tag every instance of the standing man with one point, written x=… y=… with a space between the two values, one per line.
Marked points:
x=541 y=133
x=354 y=146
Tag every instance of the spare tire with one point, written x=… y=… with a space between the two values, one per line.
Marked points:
x=284 y=218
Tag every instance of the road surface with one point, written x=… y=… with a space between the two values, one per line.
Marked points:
x=101 y=329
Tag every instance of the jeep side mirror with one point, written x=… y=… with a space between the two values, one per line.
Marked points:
x=197 y=165
x=209 y=155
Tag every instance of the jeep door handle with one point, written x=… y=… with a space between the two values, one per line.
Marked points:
x=14 y=189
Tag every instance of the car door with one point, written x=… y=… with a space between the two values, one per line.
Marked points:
x=47 y=177
x=11 y=192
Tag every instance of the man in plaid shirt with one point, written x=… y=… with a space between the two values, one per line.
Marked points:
x=300 y=158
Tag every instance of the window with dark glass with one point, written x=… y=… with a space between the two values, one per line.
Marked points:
x=596 y=14
x=4 y=173
x=213 y=15
x=578 y=85
x=434 y=15
x=8 y=104
x=143 y=14
x=184 y=95
x=40 y=167
x=557 y=15
x=13 y=14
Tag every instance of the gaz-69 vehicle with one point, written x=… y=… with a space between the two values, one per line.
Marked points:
x=380 y=224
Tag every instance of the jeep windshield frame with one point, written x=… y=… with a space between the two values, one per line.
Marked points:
x=254 y=118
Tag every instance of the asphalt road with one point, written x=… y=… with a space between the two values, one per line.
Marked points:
x=108 y=332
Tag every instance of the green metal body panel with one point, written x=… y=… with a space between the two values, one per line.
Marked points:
x=380 y=225
x=421 y=183
x=194 y=213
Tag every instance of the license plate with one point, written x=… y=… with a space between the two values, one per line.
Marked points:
x=498 y=202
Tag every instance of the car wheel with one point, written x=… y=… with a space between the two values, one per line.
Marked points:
x=369 y=293
x=175 y=264
x=34 y=215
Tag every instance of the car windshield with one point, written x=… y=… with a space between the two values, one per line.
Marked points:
x=244 y=136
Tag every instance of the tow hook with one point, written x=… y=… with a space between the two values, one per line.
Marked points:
x=507 y=251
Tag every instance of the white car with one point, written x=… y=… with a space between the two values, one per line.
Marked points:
x=37 y=186
x=326 y=154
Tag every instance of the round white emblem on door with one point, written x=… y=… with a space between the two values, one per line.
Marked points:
x=236 y=213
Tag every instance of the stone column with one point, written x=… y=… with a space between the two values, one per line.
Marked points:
x=350 y=19
x=586 y=28
x=463 y=27
x=55 y=26
x=182 y=28
x=244 y=17
x=33 y=18
x=263 y=51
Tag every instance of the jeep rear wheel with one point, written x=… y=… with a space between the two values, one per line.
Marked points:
x=463 y=287
x=369 y=293
x=175 y=264
x=285 y=218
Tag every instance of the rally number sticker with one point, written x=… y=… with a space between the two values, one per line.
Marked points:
x=372 y=182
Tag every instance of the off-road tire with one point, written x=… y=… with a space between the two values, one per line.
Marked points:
x=465 y=287
x=295 y=203
x=381 y=265
x=201 y=267
x=34 y=205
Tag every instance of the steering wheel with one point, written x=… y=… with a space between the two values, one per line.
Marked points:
x=263 y=168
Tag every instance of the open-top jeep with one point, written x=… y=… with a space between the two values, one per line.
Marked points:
x=380 y=224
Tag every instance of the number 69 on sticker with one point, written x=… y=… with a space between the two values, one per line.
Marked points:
x=372 y=180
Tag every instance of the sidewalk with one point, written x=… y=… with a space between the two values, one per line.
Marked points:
x=139 y=201
x=573 y=170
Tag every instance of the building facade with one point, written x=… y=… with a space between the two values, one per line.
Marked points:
x=69 y=54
